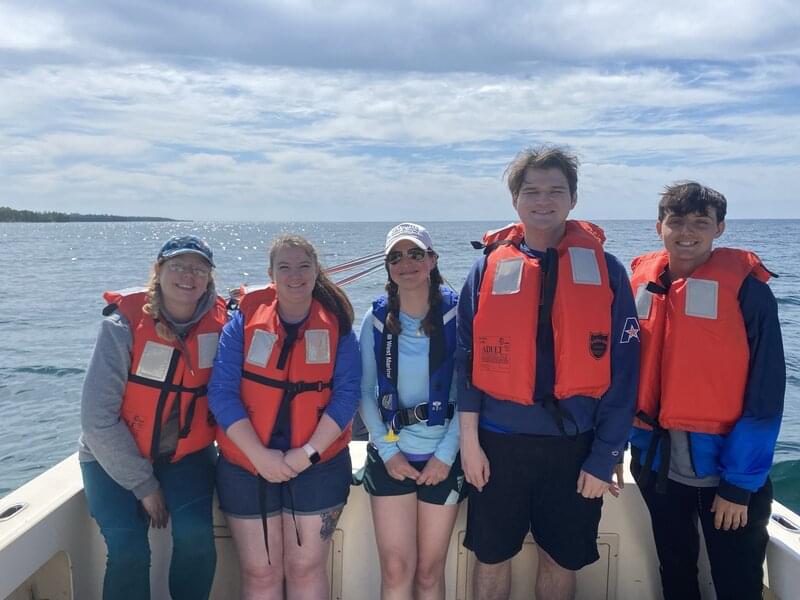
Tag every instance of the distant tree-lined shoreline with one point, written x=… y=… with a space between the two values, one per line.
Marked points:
x=10 y=215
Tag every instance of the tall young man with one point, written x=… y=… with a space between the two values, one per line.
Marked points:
x=548 y=361
x=710 y=399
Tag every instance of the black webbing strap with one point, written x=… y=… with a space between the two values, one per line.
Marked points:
x=544 y=339
x=660 y=437
x=166 y=387
x=262 y=505
x=290 y=487
x=292 y=387
x=417 y=414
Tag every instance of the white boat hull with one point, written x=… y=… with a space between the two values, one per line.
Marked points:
x=53 y=549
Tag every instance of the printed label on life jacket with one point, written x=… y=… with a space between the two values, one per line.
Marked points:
x=507 y=276
x=261 y=347
x=644 y=301
x=318 y=347
x=206 y=349
x=154 y=362
x=701 y=298
x=585 y=269
x=494 y=353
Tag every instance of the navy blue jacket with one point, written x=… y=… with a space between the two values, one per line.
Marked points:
x=610 y=417
x=742 y=459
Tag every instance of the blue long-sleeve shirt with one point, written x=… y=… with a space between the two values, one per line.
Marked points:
x=742 y=459
x=223 y=388
x=610 y=416
x=418 y=441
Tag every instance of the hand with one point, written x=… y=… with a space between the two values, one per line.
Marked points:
x=155 y=507
x=728 y=515
x=271 y=465
x=590 y=486
x=474 y=463
x=616 y=486
x=297 y=459
x=398 y=468
x=435 y=471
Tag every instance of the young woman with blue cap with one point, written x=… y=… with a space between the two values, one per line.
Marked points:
x=146 y=433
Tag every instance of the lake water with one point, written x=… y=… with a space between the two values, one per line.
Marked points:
x=53 y=275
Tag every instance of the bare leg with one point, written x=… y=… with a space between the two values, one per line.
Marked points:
x=492 y=582
x=260 y=580
x=395 y=519
x=553 y=581
x=307 y=565
x=434 y=527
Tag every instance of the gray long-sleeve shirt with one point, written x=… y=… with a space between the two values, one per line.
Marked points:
x=105 y=437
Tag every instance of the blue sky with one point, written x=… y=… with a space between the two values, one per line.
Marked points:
x=363 y=110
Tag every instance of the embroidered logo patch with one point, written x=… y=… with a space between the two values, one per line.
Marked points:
x=598 y=344
x=630 y=331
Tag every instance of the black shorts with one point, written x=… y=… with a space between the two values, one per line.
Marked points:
x=378 y=482
x=532 y=487
x=322 y=487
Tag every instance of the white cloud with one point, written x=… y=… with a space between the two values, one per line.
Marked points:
x=143 y=128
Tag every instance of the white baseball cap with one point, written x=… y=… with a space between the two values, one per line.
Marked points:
x=412 y=232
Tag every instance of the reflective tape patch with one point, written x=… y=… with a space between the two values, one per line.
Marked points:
x=207 y=349
x=318 y=347
x=376 y=323
x=450 y=315
x=261 y=347
x=644 y=301
x=507 y=277
x=154 y=362
x=585 y=269
x=702 y=296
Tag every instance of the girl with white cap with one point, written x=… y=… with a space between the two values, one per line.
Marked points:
x=413 y=474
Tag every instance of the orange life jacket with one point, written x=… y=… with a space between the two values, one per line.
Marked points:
x=695 y=355
x=506 y=322
x=304 y=382
x=163 y=372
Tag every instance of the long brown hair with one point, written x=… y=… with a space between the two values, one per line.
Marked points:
x=325 y=291
x=393 y=303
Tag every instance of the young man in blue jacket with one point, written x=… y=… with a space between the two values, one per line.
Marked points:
x=710 y=398
x=547 y=365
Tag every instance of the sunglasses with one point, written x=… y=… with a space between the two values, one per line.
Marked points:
x=416 y=254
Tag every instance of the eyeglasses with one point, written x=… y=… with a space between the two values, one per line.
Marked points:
x=182 y=269
x=416 y=254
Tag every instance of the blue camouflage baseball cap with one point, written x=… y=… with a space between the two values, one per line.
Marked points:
x=185 y=244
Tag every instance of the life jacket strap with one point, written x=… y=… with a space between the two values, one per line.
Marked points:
x=660 y=438
x=417 y=414
x=560 y=414
x=200 y=390
x=291 y=387
x=262 y=505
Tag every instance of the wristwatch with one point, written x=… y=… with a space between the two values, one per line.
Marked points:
x=313 y=455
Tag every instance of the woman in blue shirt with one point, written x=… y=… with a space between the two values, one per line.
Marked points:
x=284 y=390
x=413 y=474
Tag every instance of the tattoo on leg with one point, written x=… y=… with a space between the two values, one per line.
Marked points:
x=329 y=520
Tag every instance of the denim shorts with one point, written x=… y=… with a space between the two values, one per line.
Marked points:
x=320 y=488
